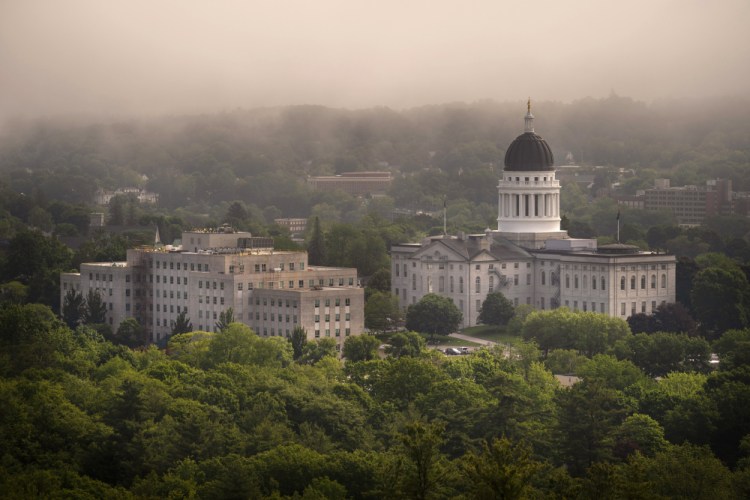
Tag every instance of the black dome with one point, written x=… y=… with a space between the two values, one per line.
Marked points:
x=529 y=152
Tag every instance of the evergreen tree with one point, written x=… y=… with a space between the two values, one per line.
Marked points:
x=74 y=308
x=96 y=309
x=316 y=247
x=298 y=341
x=181 y=323
x=225 y=319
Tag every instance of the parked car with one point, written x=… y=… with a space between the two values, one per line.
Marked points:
x=452 y=351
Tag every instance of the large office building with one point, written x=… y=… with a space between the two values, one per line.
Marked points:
x=690 y=204
x=271 y=291
x=529 y=258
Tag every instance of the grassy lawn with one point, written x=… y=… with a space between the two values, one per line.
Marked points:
x=493 y=333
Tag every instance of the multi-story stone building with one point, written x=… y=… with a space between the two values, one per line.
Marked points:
x=270 y=291
x=690 y=204
x=528 y=258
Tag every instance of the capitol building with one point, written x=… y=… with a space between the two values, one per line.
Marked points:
x=528 y=257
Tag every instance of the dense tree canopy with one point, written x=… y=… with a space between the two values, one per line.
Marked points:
x=229 y=414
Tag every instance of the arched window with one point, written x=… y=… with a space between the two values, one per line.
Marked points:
x=664 y=281
x=567 y=281
x=604 y=283
x=653 y=281
x=478 y=284
x=451 y=284
x=460 y=284
x=491 y=284
x=622 y=283
x=585 y=282
x=544 y=278
x=575 y=281
x=413 y=281
x=593 y=282
x=632 y=282
x=441 y=284
x=643 y=282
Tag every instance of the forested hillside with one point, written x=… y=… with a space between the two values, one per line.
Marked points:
x=231 y=415
x=262 y=156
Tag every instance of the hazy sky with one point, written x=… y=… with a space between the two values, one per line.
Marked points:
x=163 y=56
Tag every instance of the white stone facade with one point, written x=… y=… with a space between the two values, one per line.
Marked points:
x=583 y=279
x=529 y=259
x=270 y=291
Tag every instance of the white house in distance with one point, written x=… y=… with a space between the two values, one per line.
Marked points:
x=529 y=258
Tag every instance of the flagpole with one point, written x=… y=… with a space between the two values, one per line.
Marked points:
x=445 y=220
x=618 y=226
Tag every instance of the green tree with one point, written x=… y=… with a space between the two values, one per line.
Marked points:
x=721 y=299
x=226 y=318
x=381 y=311
x=13 y=292
x=405 y=344
x=237 y=343
x=36 y=260
x=496 y=310
x=298 y=339
x=74 y=308
x=181 y=324
x=131 y=333
x=588 y=414
x=639 y=433
x=317 y=350
x=660 y=353
x=316 y=247
x=433 y=314
x=500 y=470
x=96 y=309
x=380 y=280
x=361 y=348
x=426 y=471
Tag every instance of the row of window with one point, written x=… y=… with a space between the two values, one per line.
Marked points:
x=163 y=279
x=336 y=302
x=327 y=317
x=178 y=265
x=208 y=300
x=643 y=282
x=275 y=301
x=623 y=307
x=602 y=282
x=274 y=317
x=209 y=284
x=337 y=332
x=262 y=268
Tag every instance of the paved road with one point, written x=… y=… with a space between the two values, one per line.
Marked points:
x=472 y=339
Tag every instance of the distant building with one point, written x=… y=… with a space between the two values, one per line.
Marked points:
x=528 y=258
x=354 y=183
x=270 y=291
x=103 y=197
x=296 y=226
x=690 y=204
